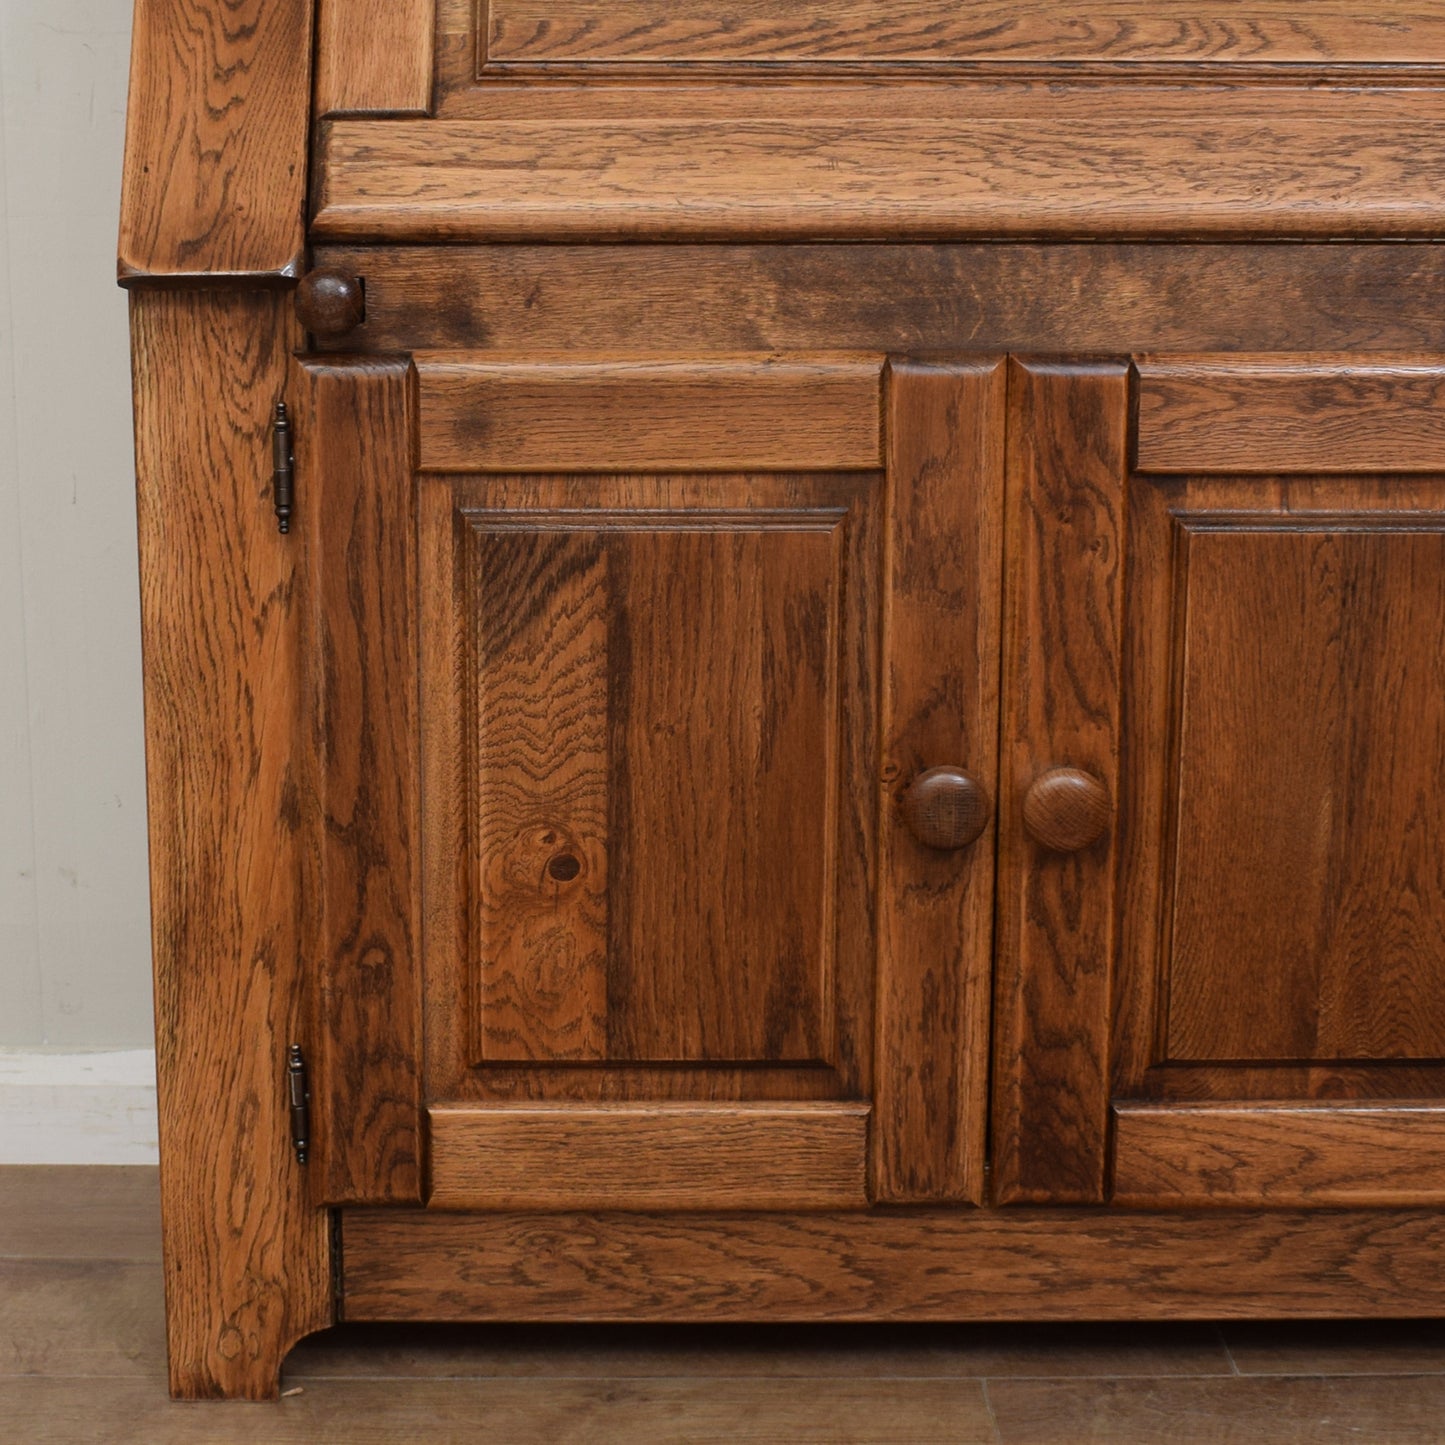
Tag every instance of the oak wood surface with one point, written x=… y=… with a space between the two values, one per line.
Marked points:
x=943 y=558
x=1182 y=1156
x=663 y=683
x=215 y=176
x=1277 y=32
x=1066 y=809
x=1282 y=731
x=247 y=1256
x=374 y=56
x=690 y=301
x=1035 y=1264
x=1307 y=913
x=354 y=438
x=1281 y=414
x=655 y=715
x=632 y=415
x=1068 y=424
x=650 y=1156
x=1216 y=162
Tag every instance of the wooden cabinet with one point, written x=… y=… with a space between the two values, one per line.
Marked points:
x=850 y=718
x=617 y=772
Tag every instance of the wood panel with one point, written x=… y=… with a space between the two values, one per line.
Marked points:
x=1367 y=1081
x=1294 y=971
x=1054 y=1264
x=1218 y=164
x=655 y=710
x=650 y=1156
x=1068 y=427
x=695 y=300
x=1275 y=32
x=661 y=684
x=944 y=514
x=354 y=425
x=1182 y=1156
x=247 y=1255
x=215 y=175
x=613 y=415
x=1299 y=414
x=374 y=56
x=1308 y=907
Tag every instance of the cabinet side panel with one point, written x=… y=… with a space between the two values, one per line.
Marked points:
x=355 y=493
x=247 y=1256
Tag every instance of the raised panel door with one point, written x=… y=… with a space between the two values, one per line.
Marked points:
x=1231 y=992
x=665 y=647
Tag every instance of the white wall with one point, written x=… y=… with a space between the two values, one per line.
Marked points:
x=74 y=946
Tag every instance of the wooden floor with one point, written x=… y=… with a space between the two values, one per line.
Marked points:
x=81 y=1360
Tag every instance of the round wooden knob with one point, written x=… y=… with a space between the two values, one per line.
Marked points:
x=946 y=808
x=330 y=303
x=1066 y=810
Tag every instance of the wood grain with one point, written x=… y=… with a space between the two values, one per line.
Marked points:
x=1068 y=426
x=216 y=143
x=374 y=57
x=919 y=1264
x=247 y=1255
x=537 y=608
x=691 y=301
x=1214 y=163
x=619 y=415
x=656 y=730
x=1363 y=1081
x=1291 y=414
x=1308 y=906
x=1191 y=1155
x=661 y=685
x=943 y=561
x=1255 y=682
x=650 y=1156
x=354 y=438
x=1275 y=32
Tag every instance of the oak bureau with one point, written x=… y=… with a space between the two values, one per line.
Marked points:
x=795 y=659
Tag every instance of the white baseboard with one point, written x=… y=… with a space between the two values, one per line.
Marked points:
x=78 y=1108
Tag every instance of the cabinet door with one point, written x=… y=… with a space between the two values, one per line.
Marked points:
x=1222 y=859
x=623 y=676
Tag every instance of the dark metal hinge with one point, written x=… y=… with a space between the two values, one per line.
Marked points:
x=300 y=1096
x=283 y=479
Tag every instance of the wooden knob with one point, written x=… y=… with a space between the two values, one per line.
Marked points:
x=1066 y=810
x=330 y=303
x=946 y=808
